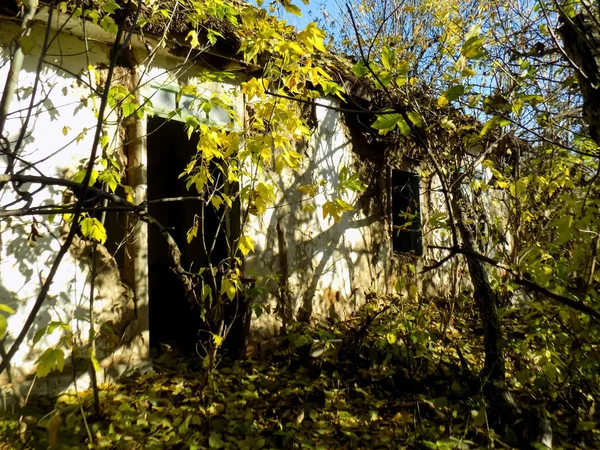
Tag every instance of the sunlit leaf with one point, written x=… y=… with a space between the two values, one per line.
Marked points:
x=228 y=288
x=7 y=309
x=246 y=245
x=3 y=326
x=92 y=228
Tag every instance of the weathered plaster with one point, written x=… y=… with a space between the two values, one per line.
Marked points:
x=59 y=139
x=330 y=265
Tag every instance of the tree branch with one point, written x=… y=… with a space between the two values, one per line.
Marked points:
x=518 y=279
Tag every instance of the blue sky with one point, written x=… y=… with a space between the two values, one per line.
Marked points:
x=311 y=12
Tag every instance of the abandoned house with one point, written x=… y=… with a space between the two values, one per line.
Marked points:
x=303 y=266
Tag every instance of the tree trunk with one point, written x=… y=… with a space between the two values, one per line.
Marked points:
x=581 y=42
x=485 y=297
x=504 y=411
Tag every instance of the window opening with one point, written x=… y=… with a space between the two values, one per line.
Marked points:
x=406 y=212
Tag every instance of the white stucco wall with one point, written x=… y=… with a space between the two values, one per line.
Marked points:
x=58 y=140
x=330 y=265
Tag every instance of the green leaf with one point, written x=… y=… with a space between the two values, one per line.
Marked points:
x=401 y=80
x=386 y=121
x=27 y=44
x=387 y=58
x=215 y=441
x=403 y=126
x=52 y=358
x=384 y=78
x=472 y=48
x=79 y=176
x=360 y=69
x=493 y=122
x=110 y=7
x=450 y=94
x=479 y=417
x=413 y=291
x=532 y=99
x=39 y=334
x=206 y=293
x=453 y=92
x=402 y=69
x=110 y=178
x=415 y=118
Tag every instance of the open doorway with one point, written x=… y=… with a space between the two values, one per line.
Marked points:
x=173 y=320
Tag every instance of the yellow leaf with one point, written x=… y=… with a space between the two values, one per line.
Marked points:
x=415 y=118
x=228 y=288
x=216 y=201
x=308 y=189
x=343 y=206
x=412 y=291
x=467 y=72
x=391 y=338
x=227 y=199
x=246 y=245
x=7 y=309
x=79 y=176
x=313 y=36
x=192 y=233
x=3 y=326
x=53 y=430
x=94 y=360
x=254 y=88
x=193 y=37
x=218 y=340
x=442 y=101
x=292 y=9
x=92 y=228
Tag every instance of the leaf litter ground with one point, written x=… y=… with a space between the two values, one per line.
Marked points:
x=392 y=383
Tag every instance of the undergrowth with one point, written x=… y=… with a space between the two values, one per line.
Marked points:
x=399 y=374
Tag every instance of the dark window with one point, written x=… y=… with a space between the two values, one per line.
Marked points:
x=406 y=213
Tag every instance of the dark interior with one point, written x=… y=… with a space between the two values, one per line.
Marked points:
x=173 y=319
x=406 y=208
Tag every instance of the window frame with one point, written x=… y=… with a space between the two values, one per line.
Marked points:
x=411 y=239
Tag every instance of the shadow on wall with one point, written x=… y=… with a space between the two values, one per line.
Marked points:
x=327 y=261
x=28 y=245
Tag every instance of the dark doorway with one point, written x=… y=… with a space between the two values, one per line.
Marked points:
x=406 y=212
x=173 y=319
